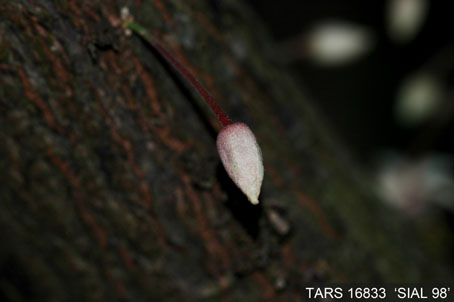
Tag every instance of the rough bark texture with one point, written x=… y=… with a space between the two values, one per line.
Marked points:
x=111 y=185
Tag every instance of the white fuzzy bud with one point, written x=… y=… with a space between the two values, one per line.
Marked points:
x=242 y=159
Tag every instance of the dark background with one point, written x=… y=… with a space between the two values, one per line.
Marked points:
x=111 y=187
x=358 y=97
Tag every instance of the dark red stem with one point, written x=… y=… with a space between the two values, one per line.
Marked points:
x=220 y=114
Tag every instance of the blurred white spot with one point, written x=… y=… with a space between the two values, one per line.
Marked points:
x=412 y=185
x=239 y=48
x=126 y=17
x=405 y=18
x=418 y=98
x=54 y=47
x=124 y=13
x=279 y=224
x=333 y=43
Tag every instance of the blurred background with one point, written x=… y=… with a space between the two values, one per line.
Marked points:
x=382 y=73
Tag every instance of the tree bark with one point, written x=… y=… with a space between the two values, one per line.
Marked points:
x=111 y=185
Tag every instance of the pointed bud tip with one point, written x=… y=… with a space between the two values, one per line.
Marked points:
x=242 y=159
x=254 y=201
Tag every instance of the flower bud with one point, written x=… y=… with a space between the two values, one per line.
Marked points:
x=242 y=159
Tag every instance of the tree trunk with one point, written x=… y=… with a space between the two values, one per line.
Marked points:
x=111 y=185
